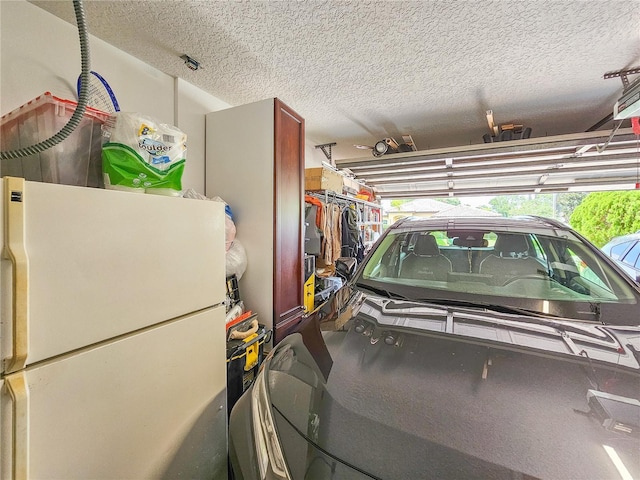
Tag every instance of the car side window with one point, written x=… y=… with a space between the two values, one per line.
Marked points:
x=633 y=256
x=619 y=249
x=385 y=260
x=585 y=271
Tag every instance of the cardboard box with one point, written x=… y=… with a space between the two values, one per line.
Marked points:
x=322 y=178
x=350 y=185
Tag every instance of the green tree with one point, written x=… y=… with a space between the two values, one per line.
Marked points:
x=604 y=215
x=566 y=203
x=560 y=205
x=502 y=205
x=511 y=205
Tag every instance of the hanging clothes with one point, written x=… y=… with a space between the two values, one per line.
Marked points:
x=352 y=245
x=325 y=250
x=336 y=232
x=332 y=229
x=314 y=201
x=339 y=220
x=312 y=233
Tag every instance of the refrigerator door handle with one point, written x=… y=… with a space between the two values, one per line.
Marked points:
x=16 y=384
x=15 y=250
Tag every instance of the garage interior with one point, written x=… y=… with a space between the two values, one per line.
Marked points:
x=466 y=99
x=367 y=71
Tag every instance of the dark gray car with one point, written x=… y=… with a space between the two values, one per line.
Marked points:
x=460 y=348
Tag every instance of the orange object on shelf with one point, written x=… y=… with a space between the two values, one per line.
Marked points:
x=365 y=195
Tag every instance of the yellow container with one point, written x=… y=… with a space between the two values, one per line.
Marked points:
x=309 y=294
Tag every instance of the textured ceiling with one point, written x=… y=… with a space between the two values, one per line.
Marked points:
x=358 y=71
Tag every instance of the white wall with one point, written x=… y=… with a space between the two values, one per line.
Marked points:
x=313 y=156
x=191 y=107
x=40 y=52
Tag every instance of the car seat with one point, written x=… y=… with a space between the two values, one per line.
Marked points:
x=466 y=261
x=510 y=258
x=425 y=261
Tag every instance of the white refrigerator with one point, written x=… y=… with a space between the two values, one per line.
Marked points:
x=112 y=335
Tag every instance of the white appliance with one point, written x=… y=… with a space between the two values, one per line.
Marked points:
x=112 y=335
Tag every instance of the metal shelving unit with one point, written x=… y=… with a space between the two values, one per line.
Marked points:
x=370 y=213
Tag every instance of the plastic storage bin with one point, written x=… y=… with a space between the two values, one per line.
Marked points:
x=74 y=161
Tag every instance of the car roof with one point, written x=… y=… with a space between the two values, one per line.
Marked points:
x=520 y=223
x=623 y=238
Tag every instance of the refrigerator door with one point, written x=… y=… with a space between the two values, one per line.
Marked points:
x=83 y=265
x=139 y=407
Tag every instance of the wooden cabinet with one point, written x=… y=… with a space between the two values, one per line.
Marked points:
x=255 y=162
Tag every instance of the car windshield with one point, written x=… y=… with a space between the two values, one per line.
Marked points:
x=551 y=271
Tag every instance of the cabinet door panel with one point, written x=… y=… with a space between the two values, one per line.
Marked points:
x=288 y=197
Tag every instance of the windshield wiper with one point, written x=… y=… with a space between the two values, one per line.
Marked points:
x=485 y=306
x=382 y=292
x=531 y=316
x=451 y=303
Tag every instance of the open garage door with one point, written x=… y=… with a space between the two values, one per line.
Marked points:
x=602 y=160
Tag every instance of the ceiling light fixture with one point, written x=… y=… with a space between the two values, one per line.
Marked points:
x=385 y=146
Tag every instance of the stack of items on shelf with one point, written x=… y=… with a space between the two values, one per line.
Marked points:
x=341 y=220
x=245 y=344
x=328 y=178
x=115 y=150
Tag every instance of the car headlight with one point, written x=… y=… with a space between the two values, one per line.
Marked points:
x=268 y=450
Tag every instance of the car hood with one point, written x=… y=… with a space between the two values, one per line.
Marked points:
x=400 y=390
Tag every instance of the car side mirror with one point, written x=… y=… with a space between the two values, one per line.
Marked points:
x=346 y=267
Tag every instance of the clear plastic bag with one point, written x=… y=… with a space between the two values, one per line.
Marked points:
x=229 y=225
x=236 y=259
